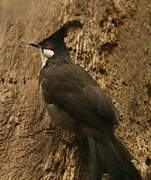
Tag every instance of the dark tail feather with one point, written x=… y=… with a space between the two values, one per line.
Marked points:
x=109 y=156
x=93 y=153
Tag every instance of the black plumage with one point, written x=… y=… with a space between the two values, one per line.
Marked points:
x=77 y=103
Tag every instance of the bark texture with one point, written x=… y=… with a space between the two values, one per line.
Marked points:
x=114 y=46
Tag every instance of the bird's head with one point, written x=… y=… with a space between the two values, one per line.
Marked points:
x=54 y=45
x=46 y=48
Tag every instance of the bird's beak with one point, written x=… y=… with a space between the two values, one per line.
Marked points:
x=37 y=45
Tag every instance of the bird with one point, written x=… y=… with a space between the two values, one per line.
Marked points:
x=77 y=103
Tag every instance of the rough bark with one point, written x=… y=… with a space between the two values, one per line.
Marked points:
x=114 y=46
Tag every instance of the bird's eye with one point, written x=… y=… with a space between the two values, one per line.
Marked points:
x=47 y=47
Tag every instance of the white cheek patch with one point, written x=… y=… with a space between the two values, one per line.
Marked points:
x=48 y=52
x=45 y=54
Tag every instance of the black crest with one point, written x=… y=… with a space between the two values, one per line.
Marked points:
x=61 y=33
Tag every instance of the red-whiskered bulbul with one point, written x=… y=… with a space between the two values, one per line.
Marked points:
x=76 y=102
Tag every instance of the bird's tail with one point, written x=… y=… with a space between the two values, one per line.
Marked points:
x=110 y=157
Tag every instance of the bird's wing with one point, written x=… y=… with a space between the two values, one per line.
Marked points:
x=73 y=90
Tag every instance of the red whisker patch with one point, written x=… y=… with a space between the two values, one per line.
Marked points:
x=47 y=47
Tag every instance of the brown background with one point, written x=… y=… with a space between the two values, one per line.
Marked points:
x=114 y=46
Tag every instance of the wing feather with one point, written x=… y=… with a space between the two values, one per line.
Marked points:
x=73 y=90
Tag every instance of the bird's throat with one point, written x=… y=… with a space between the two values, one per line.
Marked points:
x=44 y=59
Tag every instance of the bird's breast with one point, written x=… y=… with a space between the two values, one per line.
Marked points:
x=60 y=117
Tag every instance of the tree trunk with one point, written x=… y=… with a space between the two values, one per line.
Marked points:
x=114 y=46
